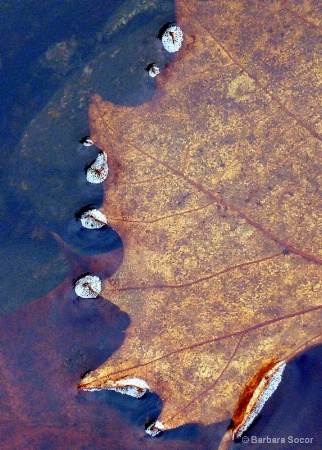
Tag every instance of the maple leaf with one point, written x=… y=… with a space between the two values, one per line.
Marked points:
x=215 y=190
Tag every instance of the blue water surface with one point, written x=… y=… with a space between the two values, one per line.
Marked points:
x=54 y=55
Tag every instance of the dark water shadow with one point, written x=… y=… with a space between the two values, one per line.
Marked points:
x=45 y=348
x=29 y=76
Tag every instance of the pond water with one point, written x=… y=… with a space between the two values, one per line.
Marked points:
x=53 y=56
x=51 y=63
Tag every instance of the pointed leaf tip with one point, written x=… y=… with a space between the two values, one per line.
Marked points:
x=256 y=393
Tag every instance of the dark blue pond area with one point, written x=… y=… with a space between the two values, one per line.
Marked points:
x=54 y=55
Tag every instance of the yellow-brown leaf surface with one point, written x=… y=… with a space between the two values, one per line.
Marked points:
x=215 y=189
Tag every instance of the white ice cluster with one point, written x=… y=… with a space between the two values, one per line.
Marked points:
x=93 y=219
x=134 y=387
x=155 y=428
x=154 y=71
x=172 y=38
x=89 y=286
x=97 y=172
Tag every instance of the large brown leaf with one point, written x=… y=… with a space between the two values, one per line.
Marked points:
x=215 y=189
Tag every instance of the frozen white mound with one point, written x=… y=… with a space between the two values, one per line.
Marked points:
x=93 y=219
x=97 y=172
x=172 y=38
x=89 y=286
